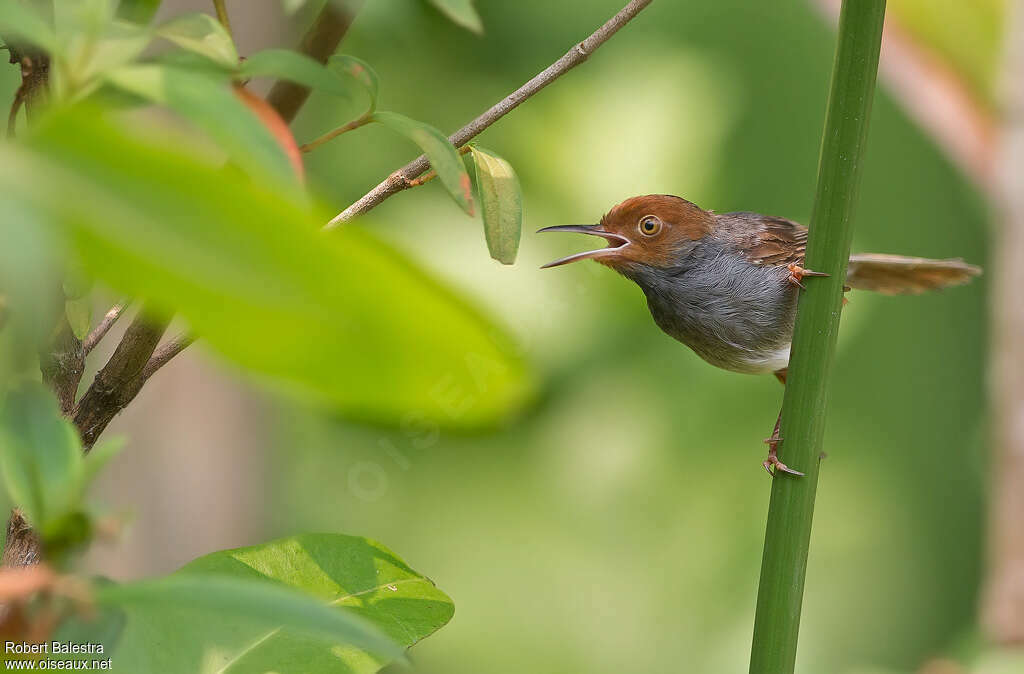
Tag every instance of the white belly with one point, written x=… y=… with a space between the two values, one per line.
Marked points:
x=769 y=361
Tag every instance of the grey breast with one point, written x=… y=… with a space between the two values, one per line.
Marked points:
x=732 y=313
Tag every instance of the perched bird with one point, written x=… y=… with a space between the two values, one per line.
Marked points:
x=726 y=284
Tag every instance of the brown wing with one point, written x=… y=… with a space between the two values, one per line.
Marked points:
x=767 y=239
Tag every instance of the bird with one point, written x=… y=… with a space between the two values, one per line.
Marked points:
x=727 y=284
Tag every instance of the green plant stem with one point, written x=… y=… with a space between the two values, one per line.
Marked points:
x=362 y=120
x=222 y=15
x=783 y=568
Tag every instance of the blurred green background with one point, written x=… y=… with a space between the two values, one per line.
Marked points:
x=617 y=525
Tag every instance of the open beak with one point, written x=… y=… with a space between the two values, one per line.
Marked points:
x=616 y=242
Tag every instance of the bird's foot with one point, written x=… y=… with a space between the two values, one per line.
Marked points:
x=772 y=462
x=797 y=274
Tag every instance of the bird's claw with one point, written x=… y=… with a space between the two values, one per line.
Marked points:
x=773 y=456
x=797 y=274
x=773 y=462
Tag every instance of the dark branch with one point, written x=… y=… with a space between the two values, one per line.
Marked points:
x=118 y=382
x=22 y=547
x=320 y=41
x=62 y=363
x=403 y=177
x=35 y=78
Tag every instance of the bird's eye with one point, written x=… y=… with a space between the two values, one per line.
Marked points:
x=650 y=225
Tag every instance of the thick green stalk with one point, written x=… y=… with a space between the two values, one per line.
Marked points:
x=788 y=534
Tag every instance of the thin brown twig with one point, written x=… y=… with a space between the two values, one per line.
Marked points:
x=103 y=327
x=431 y=174
x=19 y=96
x=403 y=177
x=362 y=120
x=165 y=353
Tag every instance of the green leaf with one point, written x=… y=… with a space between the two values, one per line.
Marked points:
x=295 y=67
x=341 y=317
x=443 y=156
x=102 y=625
x=40 y=456
x=209 y=102
x=29 y=270
x=79 y=315
x=121 y=43
x=285 y=606
x=19 y=21
x=361 y=71
x=202 y=34
x=501 y=204
x=137 y=11
x=77 y=283
x=461 y=12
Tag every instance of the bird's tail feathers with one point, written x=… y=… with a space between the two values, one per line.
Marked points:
x=899 y=275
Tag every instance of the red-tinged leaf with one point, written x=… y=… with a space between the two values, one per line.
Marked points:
x=361 y=71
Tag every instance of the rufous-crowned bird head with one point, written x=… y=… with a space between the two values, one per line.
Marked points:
x=655 y=230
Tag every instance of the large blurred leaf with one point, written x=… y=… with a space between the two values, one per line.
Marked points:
x=442 y=155
x=18 y=20
x=102 y=625
x=137 y=11
x=207 y=101
x=286 y=606
x=295 y=67
x=40 y=456
x=120 y=43
x=501 y=204
x=29 y=264
x=461 y=12
x=340 y=315
x=79 y=315
x=202 y=34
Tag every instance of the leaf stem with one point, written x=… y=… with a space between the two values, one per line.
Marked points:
x=362 y=120
x=222 y=16
x=787 y=538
